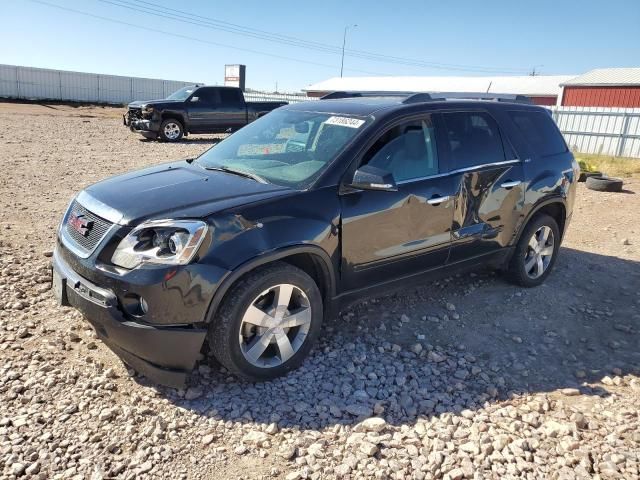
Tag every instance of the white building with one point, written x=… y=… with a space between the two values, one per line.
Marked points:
x=542 y=89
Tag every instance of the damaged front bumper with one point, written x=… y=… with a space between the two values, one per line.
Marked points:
x=140 y=125
x=166 y=355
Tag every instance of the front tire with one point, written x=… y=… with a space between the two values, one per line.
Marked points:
x=535 y=253
x=171 y=130
x=267 y=322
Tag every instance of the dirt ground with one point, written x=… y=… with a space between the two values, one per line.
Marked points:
x=448 y=368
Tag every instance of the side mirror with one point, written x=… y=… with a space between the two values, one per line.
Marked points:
x=195 y=99
x=373 y=178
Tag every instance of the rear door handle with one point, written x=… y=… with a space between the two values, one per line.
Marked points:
x=511 y=184
x=437 y=200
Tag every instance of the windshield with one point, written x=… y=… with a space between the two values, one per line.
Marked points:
x=289 y=148
x=181 y=94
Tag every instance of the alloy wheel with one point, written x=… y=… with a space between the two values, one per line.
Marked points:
x=172 y=130
x=539 y=252
x=275 y=326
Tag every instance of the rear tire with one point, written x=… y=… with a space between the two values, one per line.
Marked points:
x=171 y=130
x=258 y=334
x=536 y=252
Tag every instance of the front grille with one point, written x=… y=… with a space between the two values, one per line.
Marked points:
x=98 y=229
x=135 y=113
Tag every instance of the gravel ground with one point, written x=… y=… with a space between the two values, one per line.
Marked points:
x=468 y=377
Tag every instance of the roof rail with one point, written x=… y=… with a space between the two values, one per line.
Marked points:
x=419 y=97
x=496 y=97
x=356 y=94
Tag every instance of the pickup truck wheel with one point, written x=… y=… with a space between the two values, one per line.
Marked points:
x=171 y=130
x=536 y=252
x=267 y=322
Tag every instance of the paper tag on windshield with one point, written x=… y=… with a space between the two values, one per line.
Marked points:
x=345 y=122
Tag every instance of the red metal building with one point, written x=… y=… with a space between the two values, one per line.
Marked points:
x=604 y=87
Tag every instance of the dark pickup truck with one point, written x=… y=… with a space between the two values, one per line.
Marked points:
x=195 y=109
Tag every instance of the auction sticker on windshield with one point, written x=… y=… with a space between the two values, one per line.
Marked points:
x=345 y=122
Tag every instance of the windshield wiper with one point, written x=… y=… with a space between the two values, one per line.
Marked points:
x=241 y=173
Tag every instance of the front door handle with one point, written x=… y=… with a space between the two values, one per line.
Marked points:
x=437 y=200
x=510 y=184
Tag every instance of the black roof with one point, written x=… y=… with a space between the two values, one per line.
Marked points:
x=374 y=102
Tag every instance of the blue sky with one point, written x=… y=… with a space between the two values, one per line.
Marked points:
x=469 y=37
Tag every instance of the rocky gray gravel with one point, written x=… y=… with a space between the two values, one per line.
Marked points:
x=466 y=378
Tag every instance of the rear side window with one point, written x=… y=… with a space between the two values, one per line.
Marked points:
x=540 y=132
x=473 y=138
x=229 y=96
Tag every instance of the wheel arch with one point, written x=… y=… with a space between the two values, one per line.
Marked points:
x=175 y=116
x=555 y=207
x=311 y=259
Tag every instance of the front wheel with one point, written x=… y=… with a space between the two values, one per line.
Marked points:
x=171 y=130
x=267 y=322
x=536 y=252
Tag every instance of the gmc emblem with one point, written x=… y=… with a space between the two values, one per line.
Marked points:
x=80 y=224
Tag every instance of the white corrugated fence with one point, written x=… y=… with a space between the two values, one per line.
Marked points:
x=45 y=84
x=598 y=130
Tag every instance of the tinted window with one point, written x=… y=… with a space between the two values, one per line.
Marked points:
x=540 y=131
x=205 y=95
x=229 y=96
x=473 y=137
x=407 y=151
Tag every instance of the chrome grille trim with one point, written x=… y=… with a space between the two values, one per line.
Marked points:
x=81 y=245
x=98 y=208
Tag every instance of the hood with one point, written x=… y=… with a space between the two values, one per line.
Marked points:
x=139 y=103
x=173 y=190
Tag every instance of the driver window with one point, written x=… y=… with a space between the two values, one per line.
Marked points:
x=408 y=151
x=205 y=96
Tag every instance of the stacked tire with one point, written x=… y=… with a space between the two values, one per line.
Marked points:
x=604 y=184
x=584 y=175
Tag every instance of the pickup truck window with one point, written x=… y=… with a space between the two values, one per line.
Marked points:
x=288 y=148
x=206 y=96
x=181 y=94
x=230 y=96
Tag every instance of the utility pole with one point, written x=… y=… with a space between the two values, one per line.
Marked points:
x=534 y=70
x=344 y=41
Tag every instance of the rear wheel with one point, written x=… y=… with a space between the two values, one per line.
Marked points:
x=267 y=322
x=536 y=252
x=171 y=130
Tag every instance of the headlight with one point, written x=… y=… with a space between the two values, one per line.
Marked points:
x=167 y=242
x=148 y=109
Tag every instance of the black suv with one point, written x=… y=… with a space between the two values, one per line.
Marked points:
x=314 y=205
x=194 y=109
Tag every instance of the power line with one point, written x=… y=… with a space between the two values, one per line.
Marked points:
x=195 y=39
x=212 y=23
